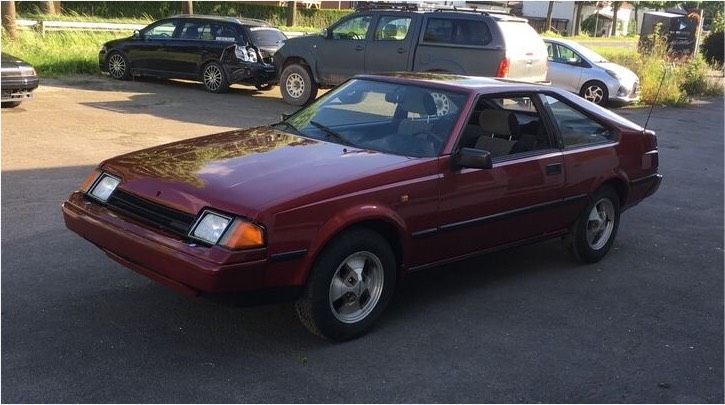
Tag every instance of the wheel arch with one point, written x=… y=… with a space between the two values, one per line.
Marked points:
x=301 y=61
x=619 y=185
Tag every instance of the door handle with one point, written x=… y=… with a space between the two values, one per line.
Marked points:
x=401 y=50
x=359 y=47
x=553 y=168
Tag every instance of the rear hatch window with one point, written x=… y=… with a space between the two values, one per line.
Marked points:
x=264 y=36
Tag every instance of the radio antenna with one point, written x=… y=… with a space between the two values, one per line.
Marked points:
x=657 y=96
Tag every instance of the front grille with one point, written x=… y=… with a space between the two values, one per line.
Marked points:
x=151 y=213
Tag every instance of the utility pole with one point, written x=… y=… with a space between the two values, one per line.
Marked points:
x=548 y=16
x=8 y=10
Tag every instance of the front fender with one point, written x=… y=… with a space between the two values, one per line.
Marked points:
x=348 y=218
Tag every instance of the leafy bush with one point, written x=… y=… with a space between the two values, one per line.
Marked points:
x=712 y=47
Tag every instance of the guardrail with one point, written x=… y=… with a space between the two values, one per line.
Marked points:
x=44 y=26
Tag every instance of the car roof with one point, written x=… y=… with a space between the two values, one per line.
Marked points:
x=560 y=41
x=447 y=12
x=239 y=20
x=454 y=81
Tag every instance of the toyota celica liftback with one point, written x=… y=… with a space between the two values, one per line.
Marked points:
x=382 y=176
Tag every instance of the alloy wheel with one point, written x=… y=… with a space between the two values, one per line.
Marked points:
x=356 y=287
x=117 y=66
x=600 y=224
x=212 y=77
x=594 y=93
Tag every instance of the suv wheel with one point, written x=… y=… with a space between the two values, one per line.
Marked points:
x=350 y=285
x=296 y=85
x=214 y=78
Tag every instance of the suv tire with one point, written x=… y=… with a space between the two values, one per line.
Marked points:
x=296 y=85
x=214 y=78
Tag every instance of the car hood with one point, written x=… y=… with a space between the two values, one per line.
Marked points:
x=243 y=172
x=9 y=65
x=627 y=75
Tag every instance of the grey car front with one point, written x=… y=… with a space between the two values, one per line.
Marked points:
x=578 y=69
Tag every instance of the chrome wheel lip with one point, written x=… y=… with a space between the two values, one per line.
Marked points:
x=594 y=93
x=295 y=85
x=116 y=66
x=600 y=224
x=212 y=77
x=356 y=287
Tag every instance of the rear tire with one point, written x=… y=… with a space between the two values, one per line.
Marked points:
x=11 y=104
x=351 y=283
x=297 y=85
x=214 y=78
x=593 y=233
x=117 y=66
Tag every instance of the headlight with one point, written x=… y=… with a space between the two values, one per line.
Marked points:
x=215 y=228
x=104 y=187
x=210 y=227
x=27 y=71
x=613 y=74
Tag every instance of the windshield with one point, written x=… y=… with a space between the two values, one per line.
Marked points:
x=400 y=119
x=589 y=54
x=263 y=36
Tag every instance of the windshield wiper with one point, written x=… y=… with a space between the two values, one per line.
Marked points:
x=331 y=133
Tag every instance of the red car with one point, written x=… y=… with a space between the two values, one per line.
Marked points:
x=382 y=176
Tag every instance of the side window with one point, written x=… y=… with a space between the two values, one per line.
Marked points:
x=576 y=129
x=550 y=50
x=391 y=28
x=161 y=31
x=354 y=28
x=457 y=32
x=506 y=126
x=190 y=31
x=566 y=55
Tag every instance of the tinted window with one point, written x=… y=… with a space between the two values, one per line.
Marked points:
x=392 y=28
x=575 y=127
x=263 y=36
x=161 y=31
x=458 y=32
x=564 y=54
x=393 y=118
x=354 y=28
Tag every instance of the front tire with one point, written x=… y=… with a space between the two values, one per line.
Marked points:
x=350 y=285
x=117 y=66
x=596 y=92
x=214 y=78
x=297 y=85
x=593 y=234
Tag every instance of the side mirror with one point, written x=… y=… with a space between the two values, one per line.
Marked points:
x=325 y=33
x=136 y=34
x=472 y=158
x=283 y=116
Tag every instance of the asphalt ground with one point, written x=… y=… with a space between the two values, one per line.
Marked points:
x=524 y=325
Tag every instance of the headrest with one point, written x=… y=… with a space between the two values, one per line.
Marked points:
x=417 y=101
x=498 y=122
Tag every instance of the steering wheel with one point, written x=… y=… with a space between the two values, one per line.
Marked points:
x=426 y=142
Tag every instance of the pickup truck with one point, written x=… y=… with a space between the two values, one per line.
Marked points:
x=475 y=43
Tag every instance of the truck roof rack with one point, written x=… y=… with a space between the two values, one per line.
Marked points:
x=373 y=5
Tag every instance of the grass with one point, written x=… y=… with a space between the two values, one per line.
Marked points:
x=60 y=53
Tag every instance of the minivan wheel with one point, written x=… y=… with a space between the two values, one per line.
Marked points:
x=214 y=78
x=593 y=234
x=296 y=85
x=596 y=92
x=350 y=285
x=117 y=66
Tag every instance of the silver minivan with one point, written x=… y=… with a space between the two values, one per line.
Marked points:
x=580 y=70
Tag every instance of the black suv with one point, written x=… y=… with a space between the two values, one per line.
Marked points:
x=387 y=38
x=216 y=50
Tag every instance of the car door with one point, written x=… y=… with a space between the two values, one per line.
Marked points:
x=341 y=54
x=565 y=67
x=196 y=42
x=391 y=49
x=520 y=197
x=149 y=52
x=588 y=149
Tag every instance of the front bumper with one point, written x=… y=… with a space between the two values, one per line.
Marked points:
x=183 y=266
x=18 y=88
x=624 y=93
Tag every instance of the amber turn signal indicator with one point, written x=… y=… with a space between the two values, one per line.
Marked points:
x=243 y=235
